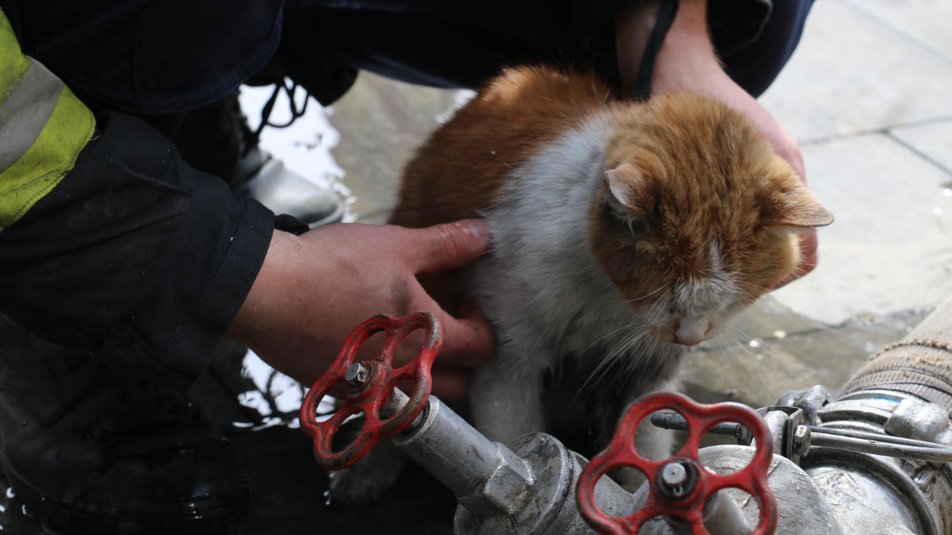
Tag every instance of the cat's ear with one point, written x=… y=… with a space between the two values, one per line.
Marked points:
x=631 y=192
x=794 y=208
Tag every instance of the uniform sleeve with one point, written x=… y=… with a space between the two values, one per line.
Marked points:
x=108 y=241
x=134 y=255
x=733 y=23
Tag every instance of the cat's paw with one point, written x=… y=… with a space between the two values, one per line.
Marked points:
x=370 y=478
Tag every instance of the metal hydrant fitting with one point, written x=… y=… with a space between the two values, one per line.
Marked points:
x=530 y=488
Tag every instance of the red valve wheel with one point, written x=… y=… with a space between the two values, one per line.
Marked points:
x=370 y=384
x=695 y=483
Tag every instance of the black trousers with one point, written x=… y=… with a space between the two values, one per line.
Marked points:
x=325 y=43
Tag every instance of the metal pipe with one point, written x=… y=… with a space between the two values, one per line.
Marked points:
x=527 y=492
x=467 y=462
x=896 y=405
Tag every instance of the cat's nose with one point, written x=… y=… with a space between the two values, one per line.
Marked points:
x=691 y=331
x=687 y=341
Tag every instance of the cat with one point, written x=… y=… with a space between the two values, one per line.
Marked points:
x=622 y=232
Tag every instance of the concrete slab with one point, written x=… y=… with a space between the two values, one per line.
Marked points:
x=923 y=21
x=852 y=73
x=757 y=371
x=891 y=245
x=381 y=124
x=931 y=141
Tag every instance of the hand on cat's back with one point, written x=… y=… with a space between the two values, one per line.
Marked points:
x=315 y=288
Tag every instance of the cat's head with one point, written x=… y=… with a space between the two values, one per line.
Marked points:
x=697 y=216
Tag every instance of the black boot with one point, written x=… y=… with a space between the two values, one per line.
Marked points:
x=91 y=449
x=216 y=139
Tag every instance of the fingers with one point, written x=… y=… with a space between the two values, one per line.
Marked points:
x=451 y=245
x=467 y=341
x=808 y=250
x=808 y=258
x=449 y=382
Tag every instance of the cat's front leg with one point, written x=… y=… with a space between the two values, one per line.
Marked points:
x=506 y=398
x=651 y=442
x=371 y=477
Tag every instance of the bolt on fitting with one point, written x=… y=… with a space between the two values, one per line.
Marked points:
x=357 y=376
x=676 y=479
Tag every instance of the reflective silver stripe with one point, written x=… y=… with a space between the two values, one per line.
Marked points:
x=26 y=111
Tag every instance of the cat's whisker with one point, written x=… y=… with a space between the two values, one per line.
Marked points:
x=608 y=360
x=622 y=347
x=649 y=294
x=631 y=326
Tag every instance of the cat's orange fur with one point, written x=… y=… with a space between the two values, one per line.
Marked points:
x=697 y=172
x=460 y=168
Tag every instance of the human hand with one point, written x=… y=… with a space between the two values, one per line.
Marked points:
x=688 y=62
x=316 y=288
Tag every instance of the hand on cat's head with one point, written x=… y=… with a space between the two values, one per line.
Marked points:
x=315 y=288
x=687 y=62
x=698 y=216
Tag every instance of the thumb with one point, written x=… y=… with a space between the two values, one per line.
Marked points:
x=451 y=245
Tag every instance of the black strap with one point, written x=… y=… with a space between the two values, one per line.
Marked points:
x=666 y=14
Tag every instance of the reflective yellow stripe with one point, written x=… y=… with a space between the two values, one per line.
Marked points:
x=45 y=164
x=12 y=62
x=53 y=152
x=26 y=111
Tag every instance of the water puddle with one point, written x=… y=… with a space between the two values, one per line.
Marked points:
x=275 y=399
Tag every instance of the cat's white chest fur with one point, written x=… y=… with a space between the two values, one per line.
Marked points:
x=542 y=287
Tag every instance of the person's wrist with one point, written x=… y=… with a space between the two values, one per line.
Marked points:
x=687 y=58
x=257 y=303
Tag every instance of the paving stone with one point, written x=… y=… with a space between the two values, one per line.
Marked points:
x=767 y=319
x=759 y=375
x=923 y=21
x=933 y=141
x=890 y=247
x=381 y=123
x=852 y=73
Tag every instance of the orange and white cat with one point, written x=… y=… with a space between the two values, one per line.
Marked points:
x=622 y=231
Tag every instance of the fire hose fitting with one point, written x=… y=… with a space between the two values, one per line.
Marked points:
x=370 y=385
x=531 y=488
x=680 y=488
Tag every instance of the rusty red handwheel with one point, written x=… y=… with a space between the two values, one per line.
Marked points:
x=370 y=384
x=679 y=487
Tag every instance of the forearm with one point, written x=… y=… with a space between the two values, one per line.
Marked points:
x=274 y=318
x=686 y=51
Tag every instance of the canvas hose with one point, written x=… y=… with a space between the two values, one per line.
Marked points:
x=920 y=364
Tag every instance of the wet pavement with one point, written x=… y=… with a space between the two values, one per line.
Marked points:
x=866 y=95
